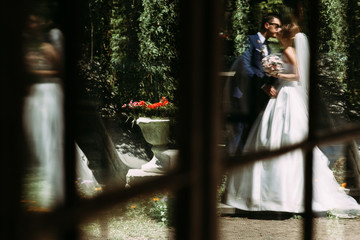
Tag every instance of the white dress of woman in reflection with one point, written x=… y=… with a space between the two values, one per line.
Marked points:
x=277 y=184
x=44 y=117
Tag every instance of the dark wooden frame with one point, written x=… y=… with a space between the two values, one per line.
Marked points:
x=201 y=164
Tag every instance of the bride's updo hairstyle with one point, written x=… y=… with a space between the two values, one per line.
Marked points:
x=288 y=31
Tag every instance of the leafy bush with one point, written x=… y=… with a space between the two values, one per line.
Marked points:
x=161 y=210
x=353 y=18
x=125 y=66
x=241 y=23
x=333 y=56
x=159 y=207
x=247 y=16
x=159 y=27
x=98 y=86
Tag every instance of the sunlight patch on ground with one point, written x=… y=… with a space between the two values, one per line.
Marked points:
x=114 y=228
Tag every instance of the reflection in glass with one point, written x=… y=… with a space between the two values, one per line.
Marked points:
x=44 y=118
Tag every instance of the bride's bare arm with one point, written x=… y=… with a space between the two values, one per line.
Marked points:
x=291 y=56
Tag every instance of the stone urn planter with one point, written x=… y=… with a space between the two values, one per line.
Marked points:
x=156 y=132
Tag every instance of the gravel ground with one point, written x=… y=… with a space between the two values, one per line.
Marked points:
x=230 y=228
x=324 y=229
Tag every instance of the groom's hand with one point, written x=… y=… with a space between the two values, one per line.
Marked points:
x=270 y=90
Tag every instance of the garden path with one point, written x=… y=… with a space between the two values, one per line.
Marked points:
x=233 y=228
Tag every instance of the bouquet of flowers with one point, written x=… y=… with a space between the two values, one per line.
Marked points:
x=136 y=109
x=272 y=65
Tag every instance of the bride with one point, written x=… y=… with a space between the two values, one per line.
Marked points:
x=43 y=120
x=278 y=184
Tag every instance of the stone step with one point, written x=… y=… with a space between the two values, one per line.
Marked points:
x=163 y=162
x=135 y=176
x=225 y=209
x=354 y=192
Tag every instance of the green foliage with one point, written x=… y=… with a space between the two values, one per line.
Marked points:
x=353 y=19
x=94 y=64
x=98 y=86
x=221 y=188
x=134 y=42
x=125 y=66
x=268 y=7
x=333 y=34
x=333 y=53
x=118 y=40
x=241 y=23
x=97 y=30
x=160 y=208
x=158 y=53
x=247 y=16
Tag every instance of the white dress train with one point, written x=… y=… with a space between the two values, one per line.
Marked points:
x=278 y=184
x=44 y=129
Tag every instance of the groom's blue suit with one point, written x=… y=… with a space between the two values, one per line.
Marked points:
x=246 y=96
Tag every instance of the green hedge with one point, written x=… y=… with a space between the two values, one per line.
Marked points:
x=135 y=45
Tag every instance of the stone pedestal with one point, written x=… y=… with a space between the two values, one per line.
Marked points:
x=135 y=176
x=156 y=133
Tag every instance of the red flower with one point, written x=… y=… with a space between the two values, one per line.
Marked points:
x=134 y=110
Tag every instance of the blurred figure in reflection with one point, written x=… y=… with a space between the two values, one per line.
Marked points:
x=43 y=112
x=44 y=116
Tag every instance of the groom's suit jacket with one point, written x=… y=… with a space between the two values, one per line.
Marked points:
x=249 y=99
x=252 y=57
x=246 y=97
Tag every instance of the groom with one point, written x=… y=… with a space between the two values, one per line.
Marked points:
x=250 y=88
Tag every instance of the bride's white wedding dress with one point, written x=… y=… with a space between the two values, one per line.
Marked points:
x=278 y=184
x=43 y=123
